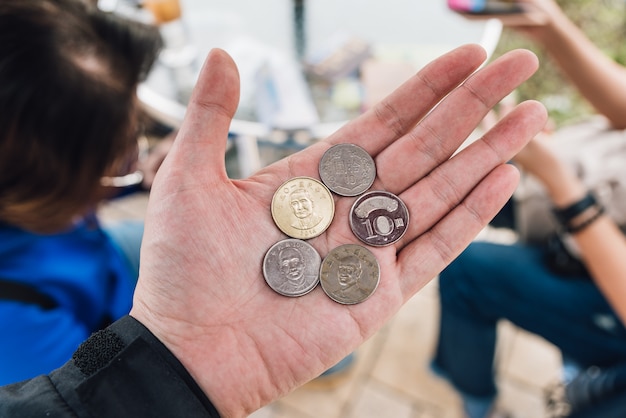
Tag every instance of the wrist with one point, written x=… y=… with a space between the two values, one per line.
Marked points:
x=579 y=214
x=567 y=195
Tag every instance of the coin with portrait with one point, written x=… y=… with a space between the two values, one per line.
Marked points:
x=303 y=207
x=347 y=169
x=379 y=218
x=291 y=267
x=349 y=274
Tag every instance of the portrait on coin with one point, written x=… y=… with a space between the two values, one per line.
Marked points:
x=303 y=210
x=292 y=269
x=349 y=272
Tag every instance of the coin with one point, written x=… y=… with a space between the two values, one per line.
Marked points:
x=303 y=207
x=347 y=169
x=379 y=218
x=349 y=274
x=291 y=267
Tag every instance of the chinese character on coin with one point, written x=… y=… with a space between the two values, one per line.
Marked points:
x=347 y=169
x=303 y=207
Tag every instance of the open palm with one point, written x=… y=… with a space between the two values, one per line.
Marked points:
x=201 y=288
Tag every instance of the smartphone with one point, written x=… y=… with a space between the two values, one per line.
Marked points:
x=485 y=7
x=510 y=12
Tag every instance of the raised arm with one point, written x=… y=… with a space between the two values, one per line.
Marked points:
x=600 y=80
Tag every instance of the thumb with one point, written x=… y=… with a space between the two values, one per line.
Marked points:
x=201 y=142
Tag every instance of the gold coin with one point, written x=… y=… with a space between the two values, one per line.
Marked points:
x=303 y=207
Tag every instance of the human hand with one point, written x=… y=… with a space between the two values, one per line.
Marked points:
x=541 y=15
x=503 y=108
x=152 y=162
x=549 y=7
x=201 y=290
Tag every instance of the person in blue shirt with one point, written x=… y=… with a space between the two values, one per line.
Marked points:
x=69 y=116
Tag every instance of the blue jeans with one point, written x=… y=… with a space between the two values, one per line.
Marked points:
x=489 y=282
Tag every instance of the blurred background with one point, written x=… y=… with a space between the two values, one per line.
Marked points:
x=305 y=67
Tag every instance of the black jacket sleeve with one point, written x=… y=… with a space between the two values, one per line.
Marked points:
x=121 y=371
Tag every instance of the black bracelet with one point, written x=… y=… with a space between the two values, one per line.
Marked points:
x=573 y=229
x=566 y=214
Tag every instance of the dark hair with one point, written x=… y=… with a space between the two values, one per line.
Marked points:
x=68 y=105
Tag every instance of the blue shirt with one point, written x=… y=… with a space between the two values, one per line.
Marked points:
x=82 y=270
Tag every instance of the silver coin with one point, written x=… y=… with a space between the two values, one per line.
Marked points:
x=379 y=218
x=291 y=267
x=349 y=274
x=347 y=169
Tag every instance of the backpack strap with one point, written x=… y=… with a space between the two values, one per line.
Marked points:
x=19 y=292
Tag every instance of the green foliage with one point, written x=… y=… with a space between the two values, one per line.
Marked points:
x=604 y=22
